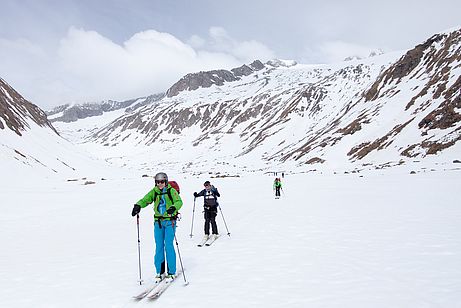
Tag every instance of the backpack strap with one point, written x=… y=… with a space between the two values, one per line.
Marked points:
x=168 y=191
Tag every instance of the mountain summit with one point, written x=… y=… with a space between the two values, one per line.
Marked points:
x=193 y=81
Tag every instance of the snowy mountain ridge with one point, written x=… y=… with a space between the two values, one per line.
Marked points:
x=193 y=81
x=382 y=111
x=73 y=112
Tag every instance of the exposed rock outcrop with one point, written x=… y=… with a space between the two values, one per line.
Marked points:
x=193 y=81
x=16 y=111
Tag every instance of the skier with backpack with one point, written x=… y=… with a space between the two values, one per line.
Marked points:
x=277 y=186
x=167 y=202
x=210 y=203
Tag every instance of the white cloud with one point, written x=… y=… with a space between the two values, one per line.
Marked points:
x=27 y=67
x=148 y=62
x=196 y=41
x=219 y=35
x=87 y=66
x=244 y=51
x=252 y=50
x=335 y=51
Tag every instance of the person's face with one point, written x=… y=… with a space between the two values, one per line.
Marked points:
x=160 y=184
x=208 y=187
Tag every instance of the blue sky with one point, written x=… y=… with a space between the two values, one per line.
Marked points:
x=56 y=52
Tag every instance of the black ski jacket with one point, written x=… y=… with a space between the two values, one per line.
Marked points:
x=210 y=197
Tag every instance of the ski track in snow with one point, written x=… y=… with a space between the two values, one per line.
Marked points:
x=381 y=240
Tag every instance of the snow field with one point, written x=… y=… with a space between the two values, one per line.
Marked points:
x=381 y=240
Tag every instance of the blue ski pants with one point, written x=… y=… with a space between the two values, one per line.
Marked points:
x=164 y=237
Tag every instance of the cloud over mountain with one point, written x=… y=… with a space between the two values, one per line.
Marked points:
x=86 y=65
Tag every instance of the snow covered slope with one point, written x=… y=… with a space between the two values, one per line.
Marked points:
x=391 y=109
x=31 y=147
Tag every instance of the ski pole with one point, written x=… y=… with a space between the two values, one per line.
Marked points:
x=228 y=233
x=193 y=214
x=282 y=191
x=139 y=251
x=179 y=254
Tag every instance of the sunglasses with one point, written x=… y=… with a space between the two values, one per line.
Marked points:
x=160 y=182
x=207 y=185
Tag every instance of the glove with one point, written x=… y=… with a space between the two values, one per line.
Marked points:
x=136 y=210
x=171 y=210
x=195 y=194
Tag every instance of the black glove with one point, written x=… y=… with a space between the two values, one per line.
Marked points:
x=171 y=210
x=195 y=194
x=136 y=210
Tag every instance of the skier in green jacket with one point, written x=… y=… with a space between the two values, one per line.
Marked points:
x=167 y=202
x=277 y=187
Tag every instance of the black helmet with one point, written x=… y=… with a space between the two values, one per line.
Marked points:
x=206 y=183
x=161 y=176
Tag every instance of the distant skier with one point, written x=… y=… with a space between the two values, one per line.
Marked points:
x=277 y=186
x=210 y=203
x=167 y=202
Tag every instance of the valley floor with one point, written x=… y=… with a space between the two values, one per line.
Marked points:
x=381 y=240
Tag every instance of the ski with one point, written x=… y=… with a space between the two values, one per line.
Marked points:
x=154 y=290
x=147 y=291
x=202 y=242
x=162 y=288
x=211 y=240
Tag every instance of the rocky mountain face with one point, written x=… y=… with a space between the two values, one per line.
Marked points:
x=31 y=147
x=193 y=81
x=258 y=107
x=388 y=109
x=432 y=105
x=16 y=111
x=71 y=113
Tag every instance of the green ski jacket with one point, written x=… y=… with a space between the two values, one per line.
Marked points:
x=156 y=193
